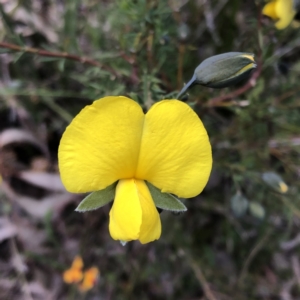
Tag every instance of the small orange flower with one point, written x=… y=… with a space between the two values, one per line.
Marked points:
x=89 y=279
x=84 y=280
x=74 y=274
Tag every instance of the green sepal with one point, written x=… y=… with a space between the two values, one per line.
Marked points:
x=97 y=199
x=165 y=201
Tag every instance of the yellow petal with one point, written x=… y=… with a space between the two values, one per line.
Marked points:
x=270 y=10
x=77 y=263
x=285 y=12
x=89 y=279
x=126 y=213
x=133 y=215
x=72 y=276
x=175 y=154
x=151 y=226
x=101 y=144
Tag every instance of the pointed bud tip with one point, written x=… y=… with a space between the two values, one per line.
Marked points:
x=123 y=243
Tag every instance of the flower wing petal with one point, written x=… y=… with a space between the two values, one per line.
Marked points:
x=175 y=154
x=101 y=144
x=286 y=13
x=151 y=226
x=126 y=213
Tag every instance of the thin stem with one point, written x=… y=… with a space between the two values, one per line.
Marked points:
x=200 y=276
x=41 y=52
x=180 y=65
x=252 y=254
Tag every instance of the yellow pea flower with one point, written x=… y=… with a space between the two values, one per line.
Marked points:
x=90 y=277
x=112 y=140
x=280 y=10
x=74 y=274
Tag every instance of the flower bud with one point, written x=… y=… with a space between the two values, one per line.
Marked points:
x=183 y=32
x=275 y=181
x=222 y=70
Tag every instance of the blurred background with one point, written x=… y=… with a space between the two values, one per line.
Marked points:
x=239 y=239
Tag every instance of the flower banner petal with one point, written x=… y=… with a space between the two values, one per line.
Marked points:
x=151 y=226
x=270 y=10
x=126 y=213
x=101 y=144
x=286 y=13
x=175 y=154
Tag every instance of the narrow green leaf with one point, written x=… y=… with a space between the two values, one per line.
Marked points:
x=61 y=65
x=17 y=56
x=7 y=21
x=97 y=199
x=9 y=25
x=165 y=201
x=70 y=25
